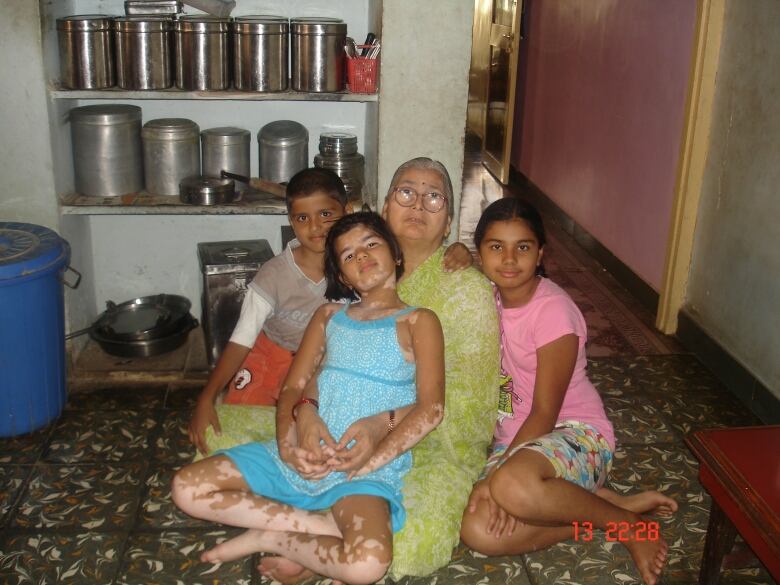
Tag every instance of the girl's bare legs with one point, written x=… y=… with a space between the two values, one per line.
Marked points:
x=213 y=489
x=352 y=543
x=526 y=487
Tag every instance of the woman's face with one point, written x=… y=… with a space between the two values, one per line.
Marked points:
x=415 y=222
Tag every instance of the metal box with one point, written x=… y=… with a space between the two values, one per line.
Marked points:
x=228 y=268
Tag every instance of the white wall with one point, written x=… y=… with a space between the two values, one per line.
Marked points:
x=27 y=189
x=734 y=285
x=426 y=51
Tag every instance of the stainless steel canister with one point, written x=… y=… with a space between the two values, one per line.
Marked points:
x=202 y=53
x=226 y=149
x=107 y=149
x=171 y=153
x=86 y=51
x=338 y=152
x=158 y=7
x=283 y=149
x=260 y=53
x=317 y=48
x=144 y=52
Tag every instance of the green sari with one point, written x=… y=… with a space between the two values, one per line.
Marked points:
x=448 y=461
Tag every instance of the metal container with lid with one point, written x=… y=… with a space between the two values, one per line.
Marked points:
x=144 y=52
x=171 y=153
x=202 y=190
x=202 y=53
x=159 y=7
x=317 y=49
x=86 y=45
x=338 y=152
x=283 y=150
x=228 y=268
x=260 y=53
x=226 y=149
x=107 y=159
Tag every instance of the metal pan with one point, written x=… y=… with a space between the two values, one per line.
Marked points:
x=146 y=347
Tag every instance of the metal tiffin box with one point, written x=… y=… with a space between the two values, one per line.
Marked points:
x=228 y=268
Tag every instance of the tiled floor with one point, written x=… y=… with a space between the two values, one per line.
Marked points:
x=86 y=500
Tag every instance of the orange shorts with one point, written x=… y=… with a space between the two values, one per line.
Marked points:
x=259 y=379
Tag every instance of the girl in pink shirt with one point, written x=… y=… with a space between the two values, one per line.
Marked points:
x=553 y=444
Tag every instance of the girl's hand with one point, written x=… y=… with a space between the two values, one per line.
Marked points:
x=313 y=434
x=302 y=461
x=500 y=523
x=205 y=414
x=457 y=257
x=366 y=433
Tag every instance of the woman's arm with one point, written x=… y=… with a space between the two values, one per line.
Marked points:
x=428 y=410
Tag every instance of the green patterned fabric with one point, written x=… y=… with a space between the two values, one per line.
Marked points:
x=448 y=461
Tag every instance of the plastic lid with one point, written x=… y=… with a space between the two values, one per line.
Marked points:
x=283 y=133
x=26 y=249
x=143 y=24
x=226 y=135
x=85 y=23
x=170 y=129
x=202 y=24
x=105 y=114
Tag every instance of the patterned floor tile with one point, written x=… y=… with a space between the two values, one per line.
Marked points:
x=92 y=497
x=12 y=478
x=158 y=510
x=636 y=421
x=670 y=469
x=183 y=395
x=85 y=436
x=469 y=567
x=172 y=558
x=78 y=559
x=25 y=448
x=173 y=444
x=117 y=397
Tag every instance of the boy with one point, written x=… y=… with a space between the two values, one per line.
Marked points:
x=278 y=305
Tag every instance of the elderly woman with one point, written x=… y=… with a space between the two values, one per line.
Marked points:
x=419 y=211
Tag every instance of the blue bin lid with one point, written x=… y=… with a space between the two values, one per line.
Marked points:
x=26 y=249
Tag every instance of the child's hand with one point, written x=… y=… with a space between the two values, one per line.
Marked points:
x=205 y=414
x=457 y=257
x=308 y=465
x=500 y=523
x=366 y=433
x=314 y=436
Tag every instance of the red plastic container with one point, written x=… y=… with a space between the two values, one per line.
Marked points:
x=362 y=74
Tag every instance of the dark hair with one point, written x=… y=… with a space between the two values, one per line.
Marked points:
x=336 y=289
x=315 y=180
x=507 y=209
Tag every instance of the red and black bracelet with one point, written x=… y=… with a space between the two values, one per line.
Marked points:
x=301 y=402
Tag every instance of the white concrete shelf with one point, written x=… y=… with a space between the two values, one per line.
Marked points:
x=57 y=92
x=145 y=204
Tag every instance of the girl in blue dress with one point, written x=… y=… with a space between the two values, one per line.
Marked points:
x=371 y=358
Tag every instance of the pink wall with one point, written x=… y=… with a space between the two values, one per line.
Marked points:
x=601 y=98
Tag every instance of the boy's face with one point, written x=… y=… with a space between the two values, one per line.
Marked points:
x=311 y=217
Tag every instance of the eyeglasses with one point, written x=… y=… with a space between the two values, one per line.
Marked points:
x=432 y=201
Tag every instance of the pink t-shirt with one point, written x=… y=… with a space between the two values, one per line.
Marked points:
x=549 y=315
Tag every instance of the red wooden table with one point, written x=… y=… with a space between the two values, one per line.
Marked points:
x=740 y=468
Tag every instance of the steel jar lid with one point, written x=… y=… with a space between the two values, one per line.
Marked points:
x=316 y=25
x=86 y=23
x=337 y=143
x=226 y=135
x=261 y=25
x=105 y=114
x=143 y=24
x=202 y=24
x=283 y=133
x=170 y=129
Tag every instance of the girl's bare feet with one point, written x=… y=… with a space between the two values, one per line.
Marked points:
x=242 y=545
x=649 y=502
x=285 y=571
x=649 y=557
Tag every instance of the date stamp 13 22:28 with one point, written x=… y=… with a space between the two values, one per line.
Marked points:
x=619 y=531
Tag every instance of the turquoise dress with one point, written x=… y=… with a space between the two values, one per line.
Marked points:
x=364 y=373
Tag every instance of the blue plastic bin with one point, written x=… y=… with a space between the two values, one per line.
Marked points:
x=32 y=327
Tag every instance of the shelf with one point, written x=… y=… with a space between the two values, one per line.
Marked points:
x=56 y=92
x=145 y=204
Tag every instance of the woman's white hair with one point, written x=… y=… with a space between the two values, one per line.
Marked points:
x=425 y=163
